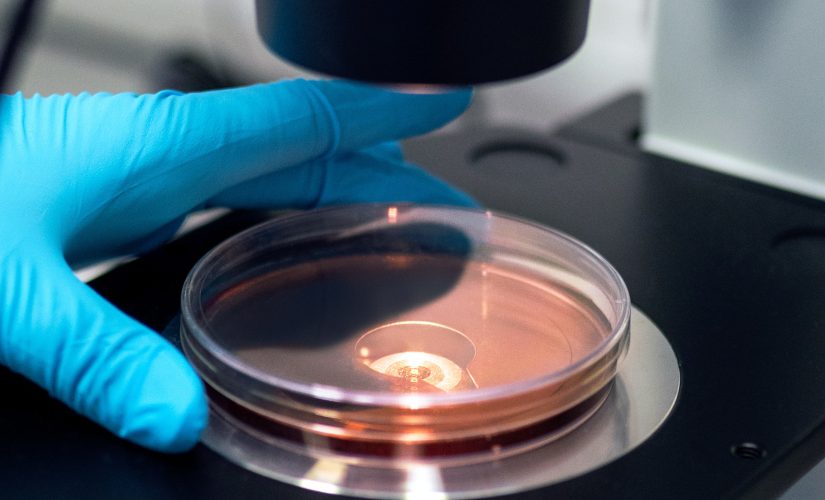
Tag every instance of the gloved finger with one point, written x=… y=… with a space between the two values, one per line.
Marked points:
x=196 y=145
x=153 y=158
x=390 y=151
x=59 y=333
x=364 y=176
x=90 y=246
x=275 y=191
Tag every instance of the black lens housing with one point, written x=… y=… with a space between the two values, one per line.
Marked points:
x=430 y=42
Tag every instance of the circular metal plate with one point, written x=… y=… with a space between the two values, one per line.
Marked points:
x=644 y=393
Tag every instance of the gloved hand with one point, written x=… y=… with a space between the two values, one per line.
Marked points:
x=92 y=176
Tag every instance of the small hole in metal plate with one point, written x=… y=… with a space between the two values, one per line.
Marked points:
x=748 y=451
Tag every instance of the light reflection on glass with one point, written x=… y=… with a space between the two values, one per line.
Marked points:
x=418 y=368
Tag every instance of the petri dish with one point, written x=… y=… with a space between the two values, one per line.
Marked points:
x=391 y=336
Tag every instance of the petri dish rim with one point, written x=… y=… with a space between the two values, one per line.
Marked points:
x=193 y=317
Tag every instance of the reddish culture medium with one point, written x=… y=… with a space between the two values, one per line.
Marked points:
x=405 y=334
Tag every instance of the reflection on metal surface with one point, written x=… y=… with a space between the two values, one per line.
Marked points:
x=643 y=395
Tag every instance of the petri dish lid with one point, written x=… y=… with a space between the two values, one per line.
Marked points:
x=405 y=306
x=458 y=320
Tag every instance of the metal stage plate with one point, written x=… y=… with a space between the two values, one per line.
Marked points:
x=643 y=395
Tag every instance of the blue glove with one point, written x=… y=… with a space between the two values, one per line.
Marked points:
x=92 y=176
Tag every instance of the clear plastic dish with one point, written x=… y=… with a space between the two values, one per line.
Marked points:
x=393 y=334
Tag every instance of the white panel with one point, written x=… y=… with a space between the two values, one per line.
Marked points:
x=739 y=86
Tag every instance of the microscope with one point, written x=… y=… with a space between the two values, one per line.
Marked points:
x=706 y=193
